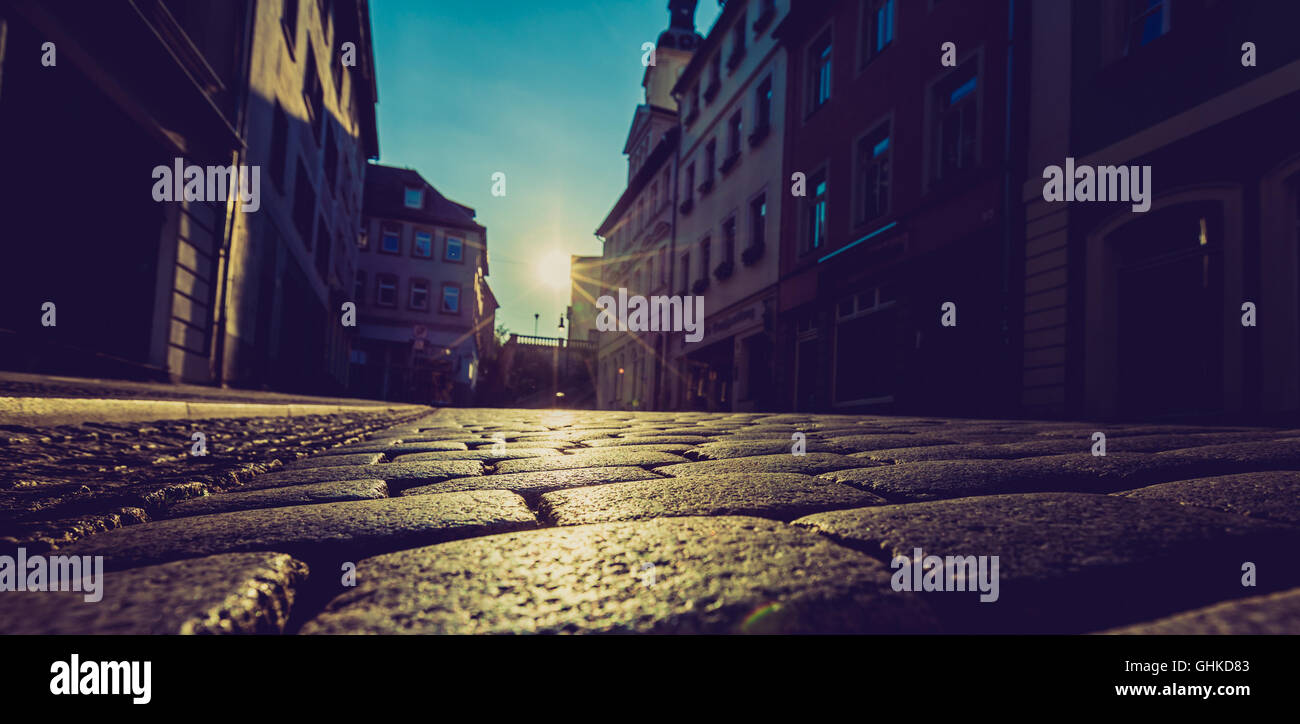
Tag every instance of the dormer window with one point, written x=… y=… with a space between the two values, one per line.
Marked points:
x=414 y=197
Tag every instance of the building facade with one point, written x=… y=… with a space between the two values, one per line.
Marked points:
x=897 y=247
x=311 y=127
x=200 y=287
x=93 y=97
x=732 y=97
x=425 y=311
x=632 y=369
x=1143 y=314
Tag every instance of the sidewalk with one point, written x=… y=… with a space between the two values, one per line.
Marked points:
x=27 y=399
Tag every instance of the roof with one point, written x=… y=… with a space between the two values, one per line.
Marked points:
x=658 y=157
x=385 y=197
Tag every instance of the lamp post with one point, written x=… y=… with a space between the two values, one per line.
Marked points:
x=535 y=318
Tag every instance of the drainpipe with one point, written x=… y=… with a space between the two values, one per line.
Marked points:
x=223 y=254
x=1008 y=203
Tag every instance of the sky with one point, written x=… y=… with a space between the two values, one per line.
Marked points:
x=540 y=90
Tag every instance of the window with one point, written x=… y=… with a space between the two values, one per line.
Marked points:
x=733 y=141
x=757 y=228
x=414 y=198
x=762 y=110
x=423 y=246
x=359 y=286
x=819 y=72
x=877 y=28
x=690 y=182
x=956 y=125
x=323 y=248
x=815 y=213
x=710 y=163
x=866 y=330
x=279 y=142
x=715 y=78
x=331 y=155
x=386 y=290
x=289 y=23
x=450 y=299
x=391 y=241
x=737 y=42
x=313 y=95
x=706 y=257
x=454 y=249
x=1147 y=20
x=363 y=239
x=729 y=241
x=336 y=72
x=304 y=205
x=872 y=163
x=686 y=270
x=419 y=294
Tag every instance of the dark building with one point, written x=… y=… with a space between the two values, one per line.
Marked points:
x=1139 y=315
x=93 y=96
x=909 y=170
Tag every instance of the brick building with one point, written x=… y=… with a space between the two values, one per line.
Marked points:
x=908 y=169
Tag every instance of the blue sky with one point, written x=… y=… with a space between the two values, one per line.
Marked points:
x=541 y=90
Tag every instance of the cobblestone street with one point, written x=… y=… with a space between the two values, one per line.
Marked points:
x=523 y=521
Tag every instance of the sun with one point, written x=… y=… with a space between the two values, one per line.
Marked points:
x=553 y=269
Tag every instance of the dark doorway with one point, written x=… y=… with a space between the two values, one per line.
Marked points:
x=1170 y=313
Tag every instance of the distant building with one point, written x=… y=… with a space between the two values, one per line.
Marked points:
x=584 y=289
x=631 y=366
x=426 y=314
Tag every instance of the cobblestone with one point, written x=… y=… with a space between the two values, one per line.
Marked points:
x=654 y=522
x=670 y=575
x=237 y=593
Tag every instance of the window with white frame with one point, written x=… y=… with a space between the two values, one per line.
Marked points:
x=391 y=241
x=386 y=290
x=419 y=294
x=454 y=250
x=450 y=298
x=423 y=246
x=414 y=198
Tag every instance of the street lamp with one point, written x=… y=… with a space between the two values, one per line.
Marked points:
x=535 y=318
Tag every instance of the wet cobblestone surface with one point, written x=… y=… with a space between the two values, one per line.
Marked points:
x=497 y=521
